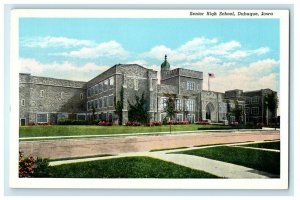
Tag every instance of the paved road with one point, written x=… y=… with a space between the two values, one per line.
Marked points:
x=61 y=148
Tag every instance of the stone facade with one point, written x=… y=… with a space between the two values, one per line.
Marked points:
x=46 y=100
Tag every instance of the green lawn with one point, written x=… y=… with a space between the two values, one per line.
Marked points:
x=265 y=145
x=260 y=160
x=69 y=130
x=129 y=167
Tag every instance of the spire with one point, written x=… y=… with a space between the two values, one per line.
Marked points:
x=165 y=65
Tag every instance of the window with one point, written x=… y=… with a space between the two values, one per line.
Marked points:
x=190 y=104
x=247 y=111
x=178 y=104
x=110 y=100
x=254 y=110
x=42 y=118
x=163 y=102
x=254 y=99
x=136 y=84
x=100 y=103
x=104 y=101
x=42 y=93
x=248 y=100
x=111 y=81
x=150 y=84
x=198 y=87
x=190 y=86
x=23 y=102
x=89 y=92
x=62 y=95
x=105 y=85
x=80 y=116
x=191 y=118
x=179 y=117
x=96 y=89
x=124 y=81
x=96 y=103
x=163 y=116
x=81 y=96
x=100 y=87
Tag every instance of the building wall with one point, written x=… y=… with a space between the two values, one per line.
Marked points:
x=63 y=97
x=214 y=104
x=58 y=96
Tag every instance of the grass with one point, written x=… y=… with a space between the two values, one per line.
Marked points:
x=265 y=145
x=152 y=150
x=73 y=130
x=80 y=157
x=260 y=160
x=128 y=167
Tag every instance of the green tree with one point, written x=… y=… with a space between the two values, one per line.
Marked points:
x=170 y=109
x=228 y=111
x=271 y=103
x=138 y=110
x=237 y=111
x=119 y=107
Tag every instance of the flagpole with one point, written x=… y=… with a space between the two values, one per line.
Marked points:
x=208 y=83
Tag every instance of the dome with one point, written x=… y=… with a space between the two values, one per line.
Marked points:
x=165 y=65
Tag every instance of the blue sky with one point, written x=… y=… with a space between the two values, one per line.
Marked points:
x=243 y=53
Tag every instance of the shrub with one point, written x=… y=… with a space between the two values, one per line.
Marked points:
x=31 y=123
x=42 y=123
x=203 y=122
x=154 y=123
x=174 y=122
x=76 y=122
x=104 y=123
x=129 y=123
x=33 y=167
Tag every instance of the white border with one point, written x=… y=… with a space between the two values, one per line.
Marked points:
x=16 y=182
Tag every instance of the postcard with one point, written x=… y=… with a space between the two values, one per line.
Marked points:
x=149 y=99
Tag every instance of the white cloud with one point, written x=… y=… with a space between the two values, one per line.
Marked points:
x=199 y=48
x=257 y=75
x=50 y=41
x=139 y=62
x=245 y=53
x=63 y=70
x=105 y=49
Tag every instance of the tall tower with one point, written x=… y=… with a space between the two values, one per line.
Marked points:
x=164 y=67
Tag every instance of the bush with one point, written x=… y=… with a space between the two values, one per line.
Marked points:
x=174 y=122
x=104 y=123
x=42 y=123
x=31 y=123
x=154 y=123
x=203 y=122
x=76 y=122
x=129 y=123
x=33 y=167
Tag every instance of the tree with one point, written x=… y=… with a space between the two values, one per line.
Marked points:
x=170 y=108
x=237 y=111
x=138 y=111
x=228 y=110
x=119 y=107
x=271 y=103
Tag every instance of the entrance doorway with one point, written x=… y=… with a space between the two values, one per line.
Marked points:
x=23 y=122
x=209 y=110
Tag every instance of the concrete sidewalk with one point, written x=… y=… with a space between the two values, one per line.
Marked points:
x=218 y=168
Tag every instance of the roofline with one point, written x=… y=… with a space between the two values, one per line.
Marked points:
x=51 y=77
